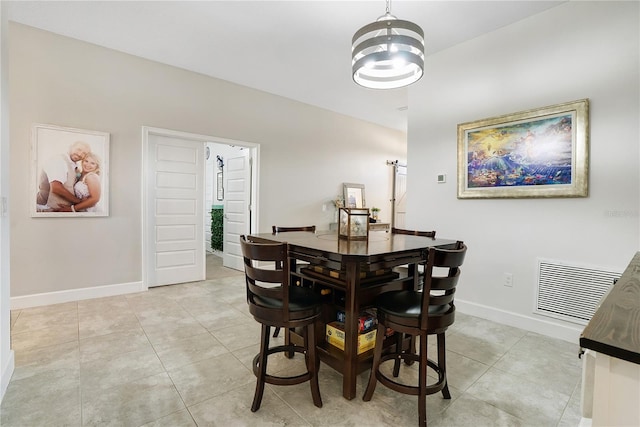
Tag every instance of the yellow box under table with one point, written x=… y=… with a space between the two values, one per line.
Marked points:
x=335 y=337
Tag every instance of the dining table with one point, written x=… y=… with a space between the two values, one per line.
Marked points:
x=363 y=269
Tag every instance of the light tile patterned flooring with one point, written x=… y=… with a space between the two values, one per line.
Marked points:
x=181 y=355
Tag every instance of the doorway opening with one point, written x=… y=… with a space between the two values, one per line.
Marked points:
x=174 y=210
x=221 y=158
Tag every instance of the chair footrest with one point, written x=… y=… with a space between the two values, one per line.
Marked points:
x=409 y=389
x=277 y=380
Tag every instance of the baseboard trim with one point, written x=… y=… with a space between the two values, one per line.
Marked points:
x=58 y=297
x=585 y=422
x=559 y=329
x=5 y=375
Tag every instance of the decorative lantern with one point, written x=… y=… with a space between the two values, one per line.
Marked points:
x=355 y=247
x=353 y=223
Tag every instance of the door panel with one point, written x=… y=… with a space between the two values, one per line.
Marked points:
x=175 y=196
x=236 y=208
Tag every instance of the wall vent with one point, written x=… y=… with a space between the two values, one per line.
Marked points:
x=571 y=292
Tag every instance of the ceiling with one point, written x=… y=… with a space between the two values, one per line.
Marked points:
x=296 y=49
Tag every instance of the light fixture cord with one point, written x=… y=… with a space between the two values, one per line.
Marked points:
x=389 y=30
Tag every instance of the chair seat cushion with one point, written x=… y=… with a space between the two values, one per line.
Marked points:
x=407 y=304
x=300 y=299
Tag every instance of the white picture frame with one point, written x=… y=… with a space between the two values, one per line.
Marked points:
x=354 y=195
x=49 y=146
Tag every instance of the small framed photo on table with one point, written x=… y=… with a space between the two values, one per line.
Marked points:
x=354 y=195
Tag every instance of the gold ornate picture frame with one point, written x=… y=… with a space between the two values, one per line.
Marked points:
x=535 y=153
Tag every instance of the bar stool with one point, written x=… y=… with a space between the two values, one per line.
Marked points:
x=272 y=302
x=420 y=271
x=419 y=313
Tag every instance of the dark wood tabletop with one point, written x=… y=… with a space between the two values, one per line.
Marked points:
x=614 y=329
x=376 y=244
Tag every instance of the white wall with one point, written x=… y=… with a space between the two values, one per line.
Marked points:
x=574 y=51
x=306 y=154
x=6 y=354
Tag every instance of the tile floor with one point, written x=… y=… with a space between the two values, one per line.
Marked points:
x=180 y=356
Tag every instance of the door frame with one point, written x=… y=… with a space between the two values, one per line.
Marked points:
x=197 y=139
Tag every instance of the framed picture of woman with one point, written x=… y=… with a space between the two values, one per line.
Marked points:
x=70 y=172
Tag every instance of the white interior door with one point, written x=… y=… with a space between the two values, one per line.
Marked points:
x=237 y=207
x=175 y=195
x=400 y=208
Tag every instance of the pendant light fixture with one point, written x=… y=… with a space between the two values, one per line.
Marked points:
x=388 y=53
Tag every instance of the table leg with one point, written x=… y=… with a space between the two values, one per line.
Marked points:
x=351 y=309
x=413 y=272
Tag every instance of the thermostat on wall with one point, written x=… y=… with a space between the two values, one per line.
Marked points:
x=442 y=178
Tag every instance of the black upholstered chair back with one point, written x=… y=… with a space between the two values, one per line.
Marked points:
x=266 y=266
x=269 y=292
x=441 y=274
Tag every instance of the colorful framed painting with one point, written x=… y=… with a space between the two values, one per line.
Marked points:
x=535 y=153
x=69 y=173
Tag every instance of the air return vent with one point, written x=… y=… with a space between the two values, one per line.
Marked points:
x=571 y=292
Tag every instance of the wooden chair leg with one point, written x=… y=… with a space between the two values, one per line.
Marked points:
x=442 y=364
x=287 y=341
x=312 y=363
x=276 y=332
x=422 y=382
x=262 y=371
x=412 y=350
x=396 y=364
x=377 y=354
